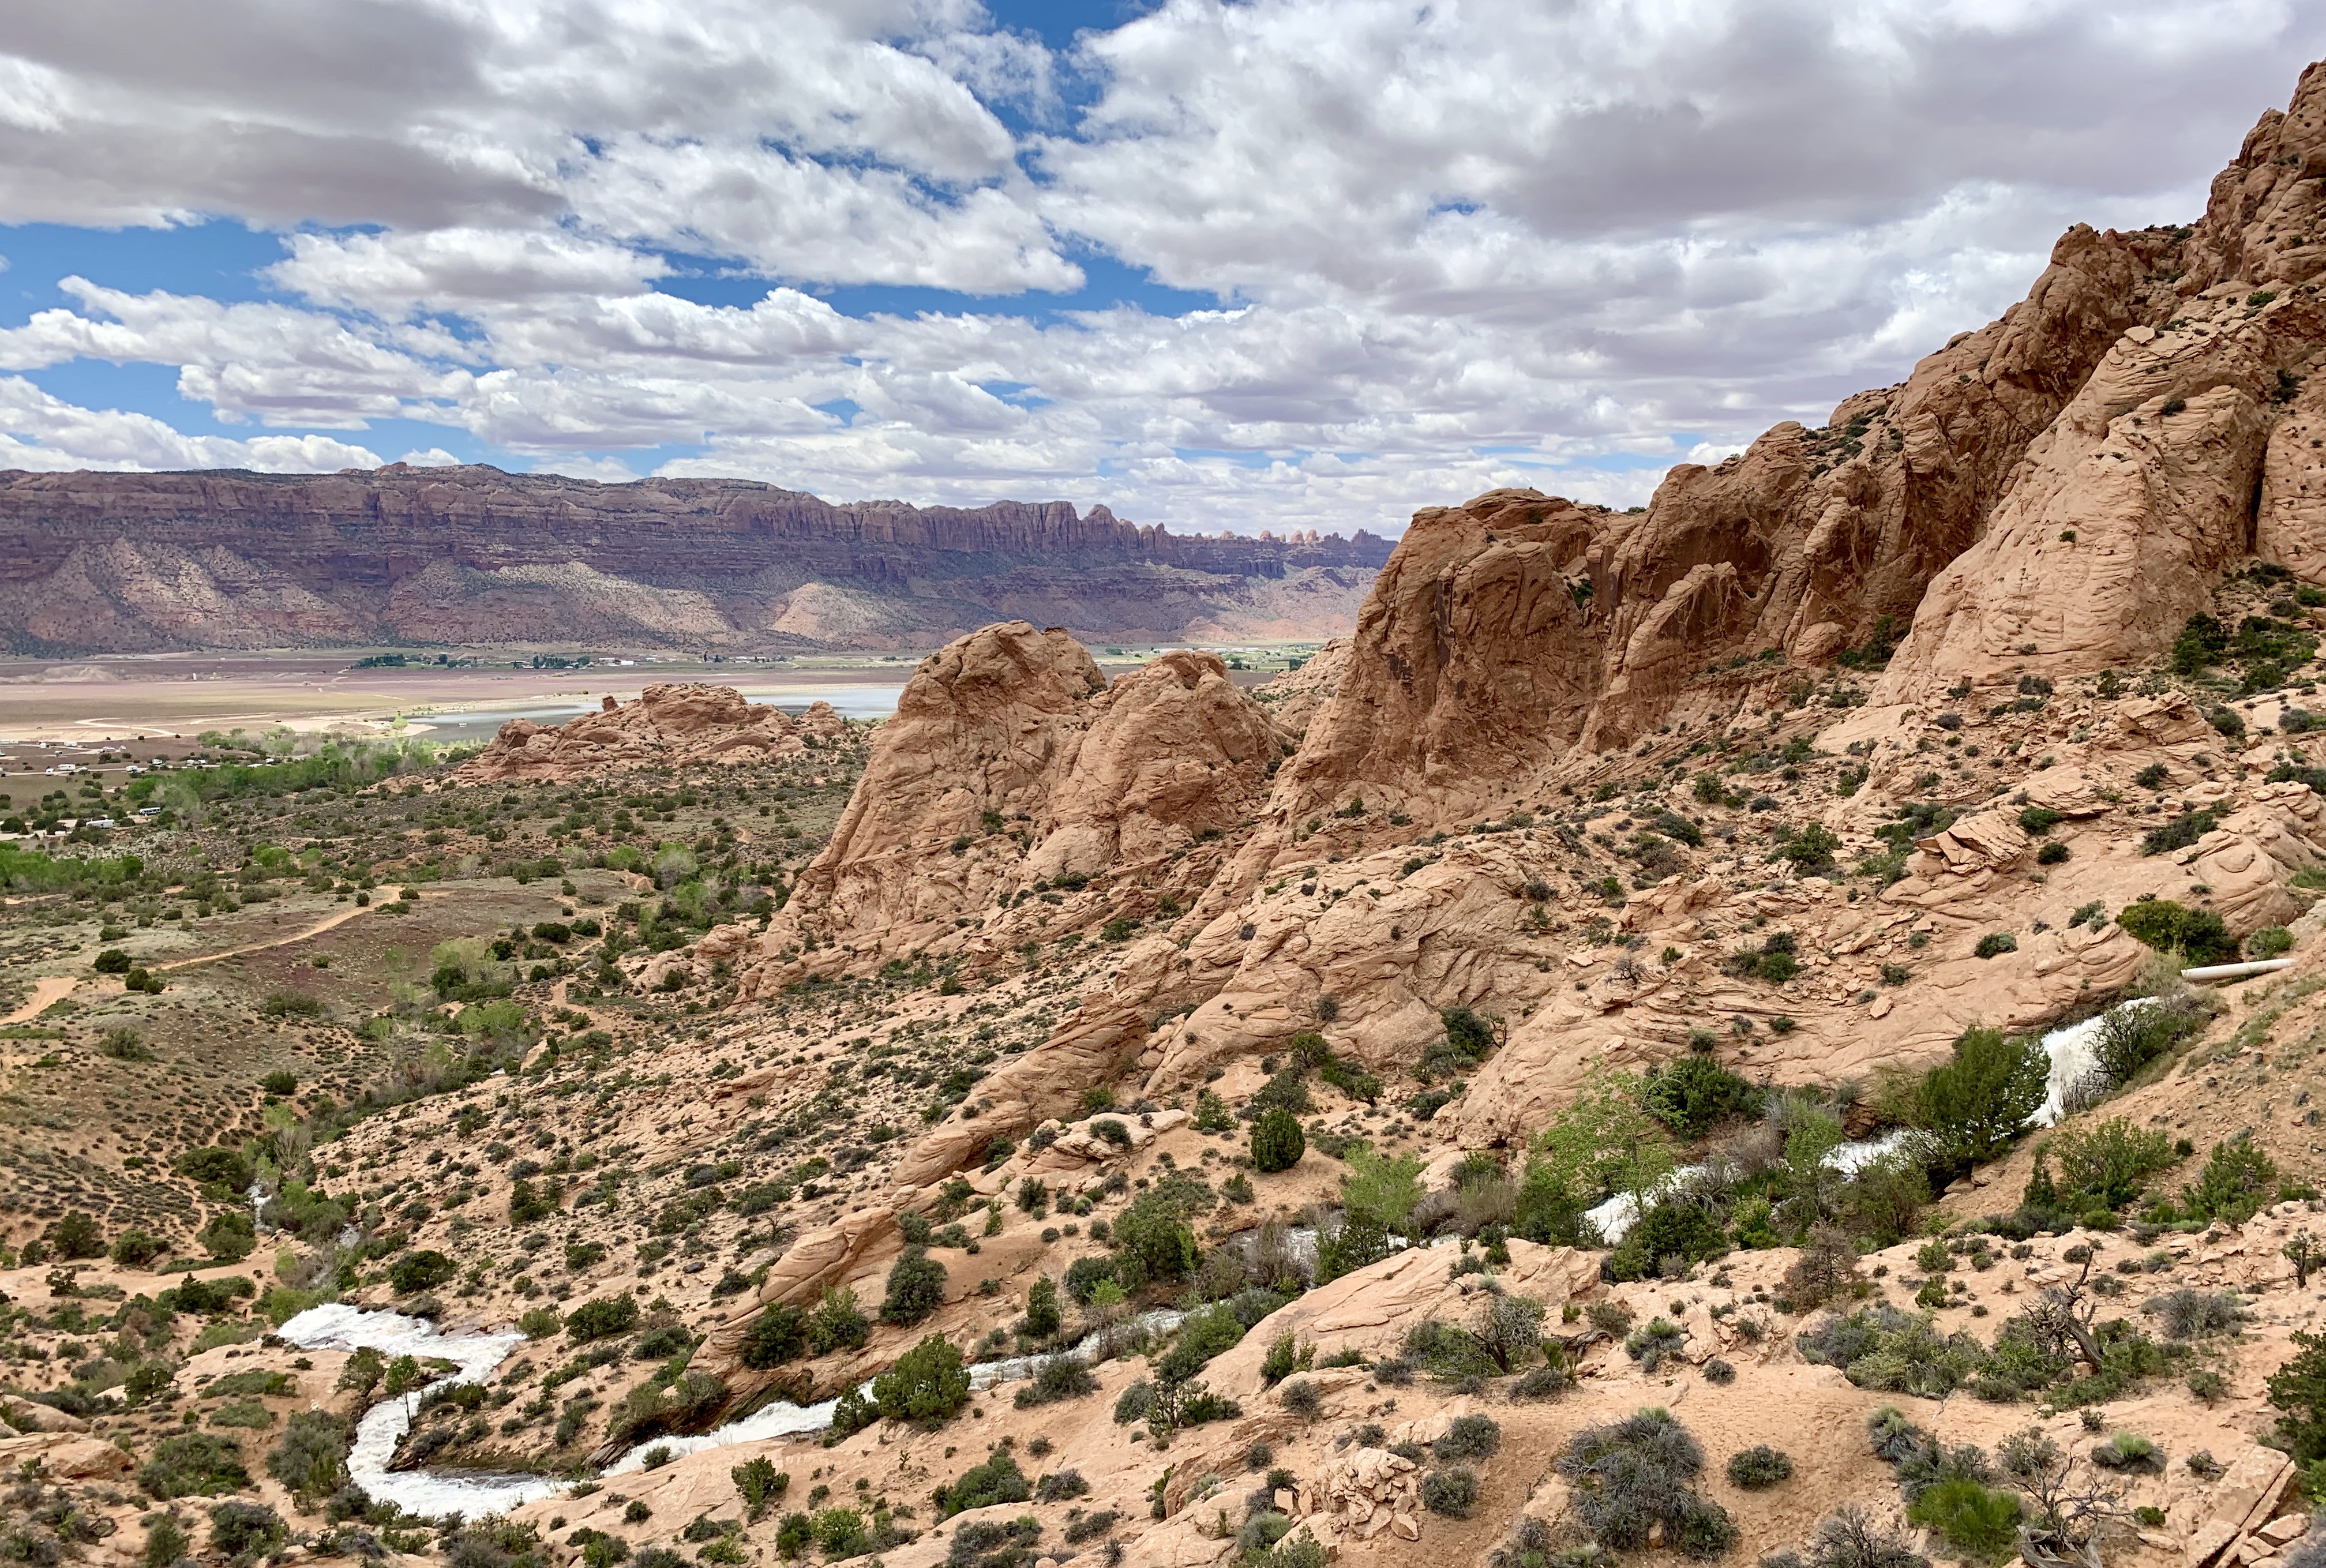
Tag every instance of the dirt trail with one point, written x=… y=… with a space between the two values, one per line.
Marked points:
x=48 y=988
x=317 y=930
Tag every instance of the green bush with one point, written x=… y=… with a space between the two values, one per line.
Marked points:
x=2237 y=1179
x=916 y=1287
x=244 y=1532
x=837 y=1324
x=602 y=1319
x=1452 y=1492
x=1978 y=1104
x=1979 y=1523
x=1058 y=1378
x=312 y=1454
x=1633 y=1474
x=1152 y=1242
x=193 y=1464
x=1669 y=1229
x=777 y=1336
x=1759 y=1468
x=1277 y=1140
x=997 y=1480
x=1994 y=943
x=928 y=1384
x=2107 y=1164
x=2182 y=831
x=2197 y=935
x=1691 y=1094
x=428 y=1268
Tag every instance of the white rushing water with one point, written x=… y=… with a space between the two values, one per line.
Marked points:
x=2073 y=1056
x=336 y=1327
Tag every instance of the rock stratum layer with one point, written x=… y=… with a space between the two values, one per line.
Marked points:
x=137 y=563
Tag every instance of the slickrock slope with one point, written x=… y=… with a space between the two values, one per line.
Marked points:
x=669 y=726
x=130 y=562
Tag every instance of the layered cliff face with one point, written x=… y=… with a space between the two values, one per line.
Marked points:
x=131 y=562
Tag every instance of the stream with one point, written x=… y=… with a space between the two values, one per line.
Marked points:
x=2070 y=1048
x=476 y=1356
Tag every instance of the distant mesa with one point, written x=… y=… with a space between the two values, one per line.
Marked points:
x=135 y=562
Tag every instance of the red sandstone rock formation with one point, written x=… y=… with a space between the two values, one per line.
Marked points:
x=668 y=726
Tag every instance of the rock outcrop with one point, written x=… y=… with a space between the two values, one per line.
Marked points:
x=669 y=726
x=1012 y=768
x=142 y=562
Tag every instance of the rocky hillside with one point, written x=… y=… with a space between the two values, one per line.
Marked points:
x=133 y=562
x=1688 y=1034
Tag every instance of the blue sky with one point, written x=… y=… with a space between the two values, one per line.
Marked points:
x=1279 y=264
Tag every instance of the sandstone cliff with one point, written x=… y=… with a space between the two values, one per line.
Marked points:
x=131 y=563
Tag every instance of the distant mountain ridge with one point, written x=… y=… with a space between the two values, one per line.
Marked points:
x=98 y=562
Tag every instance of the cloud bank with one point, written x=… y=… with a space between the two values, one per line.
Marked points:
x=1288 y=263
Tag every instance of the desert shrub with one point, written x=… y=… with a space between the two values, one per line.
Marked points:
x=2199 y=935
x=244 y=1532
x=193 y=1463
x=917 y=1286
x=312 y=1454
x=1719 y=1373
x=1894 y=1352
x=1673 y=1228
x=135 y=1248
x=2108 y=1166
x=1993 y=943
x=2237 y=1179
x=1470 y=1437
x=759 y=1483
x=1653 y=1343
x=997 y=1480
x=2192 y=1314
x=1692 y=1093
x=2136 y=1033
x=1152 y=1242
x=1633 y=1474
x=2179 y=832
x=1848 y=1538
x=2130 y=1452
x=837 y=1324
x=1978 y=1522
x=1980 y=1102
x=602 y=1319
x=1452 y=1492
x=1550 y=1381
x=1085 y=1274
x=1059 y=1487
x=928 y=1384
x=1758 y=1467
x=423 y=1271
x=1058 y=1378
x=1277 y=1140
x=224 y=1171
x=777 y=1335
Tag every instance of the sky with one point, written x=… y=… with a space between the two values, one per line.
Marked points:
x=1267 y=265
